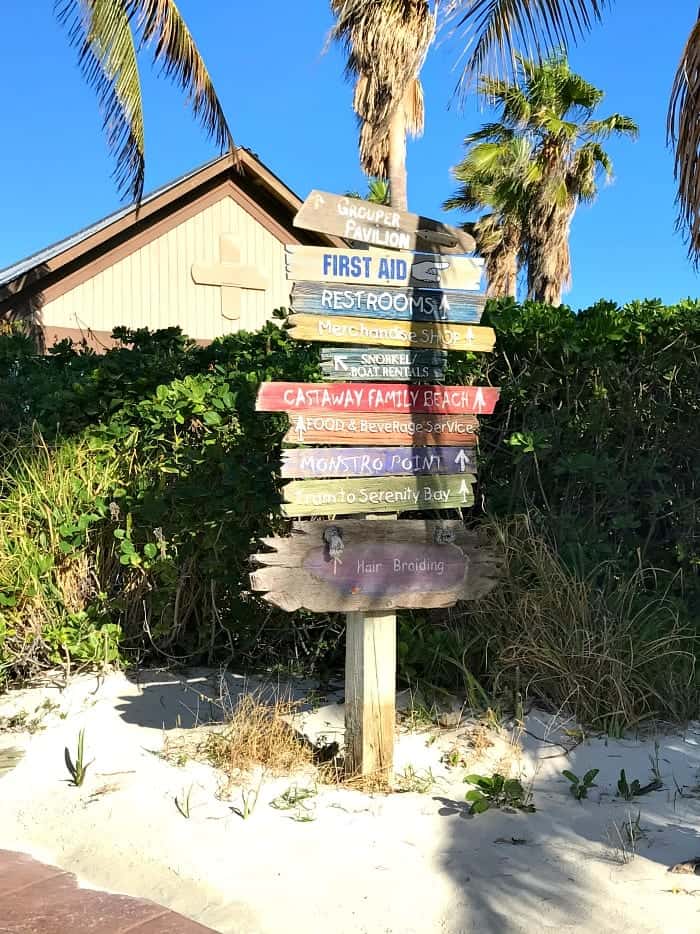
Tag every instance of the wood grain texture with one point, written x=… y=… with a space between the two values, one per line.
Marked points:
x=317 y=463
x=377 y=495
x=396 y=398
x=383 y=267
x=366 y=428
x=343 y=330
x=376 y=363
x=291 y=573
x=378 y=225
x=391 y=304
x=370 y=694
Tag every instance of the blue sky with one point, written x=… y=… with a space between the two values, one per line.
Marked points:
x=288 y=102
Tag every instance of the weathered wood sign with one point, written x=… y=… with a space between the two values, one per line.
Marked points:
x=392 y=304
x=396 y=445
x=355 y=219
x=376 y=363
x=383 y=267
x=385 y=565
x=397 y=398
x=366 y=428
x=316 y=463
x=340 y=330
x=376 y=495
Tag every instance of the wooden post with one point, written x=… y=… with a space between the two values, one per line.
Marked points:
x=370 y=694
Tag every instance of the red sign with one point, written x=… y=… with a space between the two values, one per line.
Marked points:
x=376 y=397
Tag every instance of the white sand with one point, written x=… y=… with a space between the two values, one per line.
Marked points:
x=367 y=863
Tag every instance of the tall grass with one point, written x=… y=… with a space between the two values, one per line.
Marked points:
x=606 y=646
x=53 y=501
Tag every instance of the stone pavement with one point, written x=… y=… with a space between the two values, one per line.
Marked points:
x=40 y=899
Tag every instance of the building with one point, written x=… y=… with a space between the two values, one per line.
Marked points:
x=205 y=253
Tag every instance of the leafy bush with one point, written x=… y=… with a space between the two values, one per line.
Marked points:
x=134 y=484
x=597 y=431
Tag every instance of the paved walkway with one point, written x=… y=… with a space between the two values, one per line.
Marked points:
x=40 y=899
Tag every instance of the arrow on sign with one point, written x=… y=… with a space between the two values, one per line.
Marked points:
x=465 y=492
x=340 y=362
x=300 y=428
x=318 y=200
x=462 y=460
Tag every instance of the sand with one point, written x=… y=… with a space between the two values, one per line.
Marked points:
x=407 y=862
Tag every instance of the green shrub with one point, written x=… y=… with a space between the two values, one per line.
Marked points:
x=134 y=484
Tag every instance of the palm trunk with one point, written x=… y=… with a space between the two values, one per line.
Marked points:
x=502 y=266
x=502 y=274
x=398 y=180
x=548 y=265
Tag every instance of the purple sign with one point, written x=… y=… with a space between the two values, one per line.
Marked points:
x=318 y=463
x=384 y=569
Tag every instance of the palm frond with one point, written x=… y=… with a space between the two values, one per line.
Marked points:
x=490 y=132
x=386 y=43
x=101 y=32
x=684 y=136
x=615 y=123
x=590 y=162
x=108 y=35
x=160 y=22
x=490 y=27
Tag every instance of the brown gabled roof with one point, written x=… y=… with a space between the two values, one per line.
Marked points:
x=60 y=267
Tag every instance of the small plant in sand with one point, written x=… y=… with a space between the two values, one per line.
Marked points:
x=496 y=791
x=625 y=837
x=299 y=800
x=635 y=789
x=580 y=787
x=249 y=800
x=77 y=769
x=183 y=802
x=412 y=780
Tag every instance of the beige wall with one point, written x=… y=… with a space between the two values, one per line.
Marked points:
x=153 y=287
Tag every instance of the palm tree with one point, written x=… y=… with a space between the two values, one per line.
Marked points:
x=495 y=176
x=386 y=43
x=108 y=35
x=378 y=192
x=551 y=110
x=495 y=29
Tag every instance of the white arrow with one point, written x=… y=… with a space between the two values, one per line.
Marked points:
x=462 y=460
x=464 y=490
x=340 y=363
x=319 y=200
x=300 y=428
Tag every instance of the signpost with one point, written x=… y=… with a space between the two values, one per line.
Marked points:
x=314 y=463
x=393 y=445
x=314 y=427
x=342 y=330
x=391 y=304
x=377 y=494
x=398 y=398
x=379 y=225
x=382 y=566
x=383 y=267
x=376 y=363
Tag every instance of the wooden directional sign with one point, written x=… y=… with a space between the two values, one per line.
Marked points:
x=367 y=428
x=315 y=463
x=376 y=397
x=340 y=330
x=354 y=219
x=376 y=363
x=317 y=298
x=385 y=565
x=377 y=494
x=383 y=267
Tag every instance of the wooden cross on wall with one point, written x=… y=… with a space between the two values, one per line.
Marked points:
x=230 y=275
